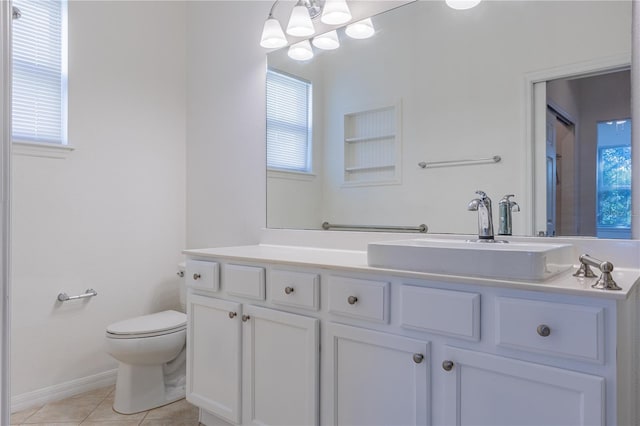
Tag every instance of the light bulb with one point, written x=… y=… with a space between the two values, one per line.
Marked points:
x=300 y=24
x=272 y=35
x=462 y=4
x=301 y=51
x=335 y=12
x=361 y=29
x=327 y=41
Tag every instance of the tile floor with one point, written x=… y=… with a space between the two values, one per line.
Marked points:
x=94 y=409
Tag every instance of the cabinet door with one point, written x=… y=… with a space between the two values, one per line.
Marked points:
x=213 y=355
x=280 y=368
x=483 y=389
x=377 y=378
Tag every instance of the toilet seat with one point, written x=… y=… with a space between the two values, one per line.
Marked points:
x=157 y=324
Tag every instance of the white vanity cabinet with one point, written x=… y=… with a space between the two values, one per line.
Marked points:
x=376 y=378
x=484 y=389
x=248 y=364
x=337 y=346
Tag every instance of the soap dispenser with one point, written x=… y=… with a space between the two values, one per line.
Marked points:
x=505 y=207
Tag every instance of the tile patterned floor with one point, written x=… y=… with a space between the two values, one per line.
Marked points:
x=94 y=409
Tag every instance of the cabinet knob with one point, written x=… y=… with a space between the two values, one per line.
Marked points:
x=418 y=358
x=288 y=290
x=232 y=315
x=352 y=300
x=245 y=318
x=196 y=276
x=447 y=365
x=544 y=330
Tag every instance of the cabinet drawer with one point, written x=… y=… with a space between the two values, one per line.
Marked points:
x=298 y=289
x=569 y=331
x=202 y=274
x=244 y=281
x=452 y=313
x=362 y=299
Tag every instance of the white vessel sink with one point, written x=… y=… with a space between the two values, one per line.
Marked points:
x=511 y=261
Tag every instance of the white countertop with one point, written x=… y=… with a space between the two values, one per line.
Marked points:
x=356 y=261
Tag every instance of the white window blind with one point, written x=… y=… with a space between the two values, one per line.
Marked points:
x=39 y=72
x=288 y=123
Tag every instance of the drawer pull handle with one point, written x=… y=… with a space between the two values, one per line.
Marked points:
x=544 y=330
x=447 y=365
x=245 y=318
x=196 y=276
x=232 y=315
x=288 y=290
x=418 y=358
x=352 y=300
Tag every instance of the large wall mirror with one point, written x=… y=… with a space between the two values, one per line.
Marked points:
x=530 y=98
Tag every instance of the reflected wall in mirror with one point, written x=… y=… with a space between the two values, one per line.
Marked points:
x=432 y=85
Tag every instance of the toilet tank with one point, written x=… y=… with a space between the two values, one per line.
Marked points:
x=182 y=287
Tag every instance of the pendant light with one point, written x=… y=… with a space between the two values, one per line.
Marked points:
x=327 y=41
x=300 y=24
x=301 y=51
x=335 y=12
x=462 y=4
x=361 y=29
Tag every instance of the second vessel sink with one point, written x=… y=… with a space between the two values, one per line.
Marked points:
x=512 y=261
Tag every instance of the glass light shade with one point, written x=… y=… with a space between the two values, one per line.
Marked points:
x=361 y=29
x=335 y=12
x=272 y=35
x=462 y=4
x=327 y=41
x=301 y=51
x=300 y=24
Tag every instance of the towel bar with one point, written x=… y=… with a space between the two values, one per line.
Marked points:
x=63 y=297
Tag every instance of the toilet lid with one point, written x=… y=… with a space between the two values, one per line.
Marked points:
x=166 y=321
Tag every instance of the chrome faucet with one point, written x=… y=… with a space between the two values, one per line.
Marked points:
x=485 y=220
x=505 y=207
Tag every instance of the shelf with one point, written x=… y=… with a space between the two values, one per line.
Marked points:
x=360 y=169
x=369 y=138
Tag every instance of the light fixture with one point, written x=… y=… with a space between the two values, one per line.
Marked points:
x=327 y=41
x=300 y=24
x=361 y=29
x=462 y=4
x=301 y=51
x=272 y=35
x=335 y=12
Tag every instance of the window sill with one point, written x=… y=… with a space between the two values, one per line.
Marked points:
x=40 y=149
x=282 y=174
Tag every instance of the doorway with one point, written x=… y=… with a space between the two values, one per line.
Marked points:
x=573 y=201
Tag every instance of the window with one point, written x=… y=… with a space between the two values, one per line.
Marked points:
x=614 y=175
x=288 y=123
x=39 y=72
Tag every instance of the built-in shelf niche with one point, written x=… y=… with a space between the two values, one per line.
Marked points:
x=372 y=146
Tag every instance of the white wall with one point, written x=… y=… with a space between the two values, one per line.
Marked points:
x=111 y=216
x=225 y=123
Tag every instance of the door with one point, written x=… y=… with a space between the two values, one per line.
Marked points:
x=213 y=355
x=483 y=389
x=552 y=172
x=280 y=368
x=376 y=378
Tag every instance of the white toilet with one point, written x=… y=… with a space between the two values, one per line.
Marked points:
x=151 y=350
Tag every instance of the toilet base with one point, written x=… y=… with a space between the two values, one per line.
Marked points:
x=143 y=387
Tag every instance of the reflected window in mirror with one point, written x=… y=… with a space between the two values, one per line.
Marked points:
x=289 y=123
x=614 y=179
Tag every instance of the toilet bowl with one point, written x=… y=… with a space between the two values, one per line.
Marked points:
x=151 y=352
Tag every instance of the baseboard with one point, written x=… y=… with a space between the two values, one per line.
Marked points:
x=62 y=390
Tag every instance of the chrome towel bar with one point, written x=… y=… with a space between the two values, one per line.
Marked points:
x=494 y=159
x=420 y=228
x=63 y=297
